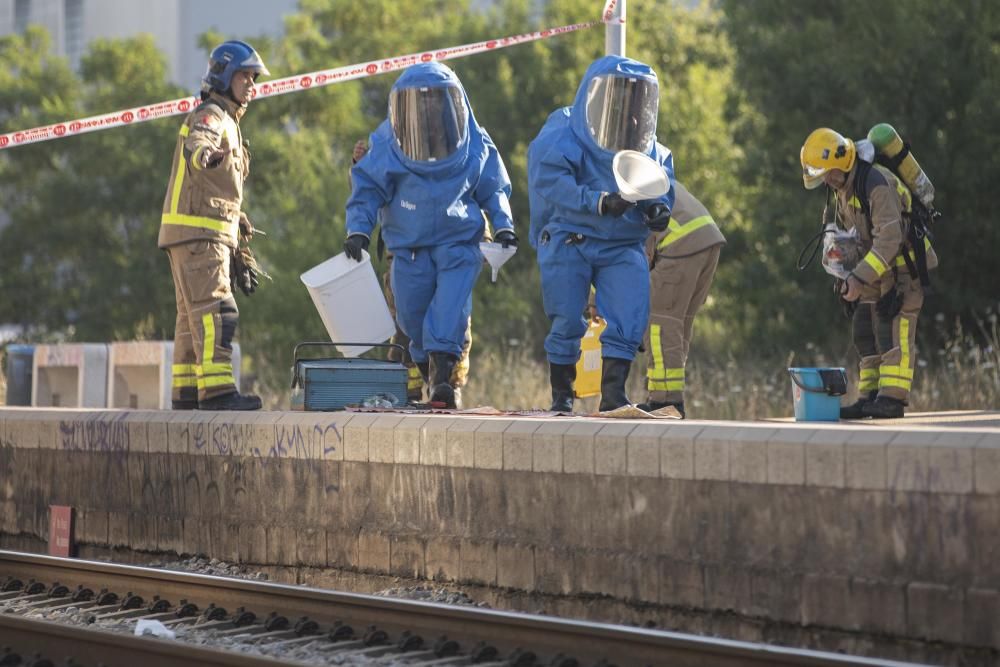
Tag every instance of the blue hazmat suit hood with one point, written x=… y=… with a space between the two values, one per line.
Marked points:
x=608 y=65
x=436 y=75
x=568 y=170
x=422 y=203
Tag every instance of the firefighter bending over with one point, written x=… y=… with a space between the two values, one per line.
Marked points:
x=874 y=201
x=682 y=263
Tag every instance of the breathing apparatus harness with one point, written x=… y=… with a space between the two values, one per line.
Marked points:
x=917 y=233
x=920 y=217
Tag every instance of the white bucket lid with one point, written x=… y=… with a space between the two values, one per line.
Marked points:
x=639 y=176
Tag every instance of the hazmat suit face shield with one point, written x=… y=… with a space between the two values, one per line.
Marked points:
x=621 y=112
x=430 y=123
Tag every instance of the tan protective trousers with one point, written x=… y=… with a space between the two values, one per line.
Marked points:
x=206 y=321
x=678 y=288
x=414 y=380
x=888 y=347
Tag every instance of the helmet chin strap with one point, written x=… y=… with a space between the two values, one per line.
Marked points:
x=228 y=94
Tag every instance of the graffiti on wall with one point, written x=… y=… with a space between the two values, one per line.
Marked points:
x=315 y=441
x=99 y=435
x=285 y=441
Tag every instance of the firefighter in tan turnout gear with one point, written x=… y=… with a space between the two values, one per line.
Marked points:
x=201 y=228
x=871 y=199
x=682 y=263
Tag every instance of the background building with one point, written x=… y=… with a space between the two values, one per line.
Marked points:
x=174 y=24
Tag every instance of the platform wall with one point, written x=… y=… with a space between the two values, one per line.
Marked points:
x=869 y=532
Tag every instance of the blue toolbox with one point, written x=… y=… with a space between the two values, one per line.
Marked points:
x=325 y=384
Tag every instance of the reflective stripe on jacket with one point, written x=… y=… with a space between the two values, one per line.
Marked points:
x=204 y=203
x=691 y=228
x=890 y=203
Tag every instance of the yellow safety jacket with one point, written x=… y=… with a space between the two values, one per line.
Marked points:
x=203 y=203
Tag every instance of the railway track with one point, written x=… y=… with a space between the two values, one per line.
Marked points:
x=91 y=610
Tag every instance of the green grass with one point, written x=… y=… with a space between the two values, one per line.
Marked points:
x=961 y=372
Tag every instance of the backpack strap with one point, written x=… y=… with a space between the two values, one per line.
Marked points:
x=893 y=162
x=917 y=228
x=917 y=234
x=861 y=190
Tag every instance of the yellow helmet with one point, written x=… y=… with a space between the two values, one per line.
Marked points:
x=824 y=150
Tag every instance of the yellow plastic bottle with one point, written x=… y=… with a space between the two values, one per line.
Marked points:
x=888 y=142
x=588 y=367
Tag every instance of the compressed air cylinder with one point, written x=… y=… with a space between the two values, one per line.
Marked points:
x=888 y=142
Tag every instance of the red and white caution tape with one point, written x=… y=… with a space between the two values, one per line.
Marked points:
x=610 y=15
x=291 y=84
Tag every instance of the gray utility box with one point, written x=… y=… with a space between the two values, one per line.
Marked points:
x=332 y=384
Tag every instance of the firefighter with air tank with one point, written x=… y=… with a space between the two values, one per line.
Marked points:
x=885 y=289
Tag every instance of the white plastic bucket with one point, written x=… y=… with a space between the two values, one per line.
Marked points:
x=350 y=302
x=639 y=176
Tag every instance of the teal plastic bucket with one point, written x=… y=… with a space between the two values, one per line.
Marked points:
x=816 y=393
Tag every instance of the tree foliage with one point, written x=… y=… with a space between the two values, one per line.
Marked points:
x=79 y=251
x=930 y=69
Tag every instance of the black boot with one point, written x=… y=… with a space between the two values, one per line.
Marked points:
x=561 y=377
x=187 y=399
x=441 y=389
x=856 y=409
x=884 y=407
x=425 y=370
x=233 y=401
x=614 y=375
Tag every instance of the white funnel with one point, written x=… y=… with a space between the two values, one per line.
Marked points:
x=496 y=255
x=639 y=176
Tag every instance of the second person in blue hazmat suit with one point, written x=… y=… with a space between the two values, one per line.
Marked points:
x=430 y=175
x=585 y=233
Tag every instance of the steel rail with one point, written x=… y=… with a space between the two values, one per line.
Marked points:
x=59 y=642
x=546 y=636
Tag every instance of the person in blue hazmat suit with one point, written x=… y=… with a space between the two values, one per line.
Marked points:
x=430 y=175
x=585 y=233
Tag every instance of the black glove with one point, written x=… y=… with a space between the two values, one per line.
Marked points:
x=354 y=244
x=889 y=304
x=243 y=272
x=847 y=307
x=657 y=217
x=211 y=160
x=506 y=238
x=612 y=204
